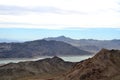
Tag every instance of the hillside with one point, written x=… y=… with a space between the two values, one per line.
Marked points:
x=90 y=45
x=38 y=48
x=34 y=69
x=105 y=65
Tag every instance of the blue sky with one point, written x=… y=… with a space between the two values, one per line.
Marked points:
x=23 y=34
x=36 y=19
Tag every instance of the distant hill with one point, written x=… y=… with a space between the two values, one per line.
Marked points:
x=7 y=40
x=38 y=48
x=105 y=65
x=34 y=69
x=90 y=45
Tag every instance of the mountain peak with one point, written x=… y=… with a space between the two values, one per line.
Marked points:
x=107 y=54
x=105 y=65
x=62 y=36
x=103 y=50
x=55 y=58
x=57 y=38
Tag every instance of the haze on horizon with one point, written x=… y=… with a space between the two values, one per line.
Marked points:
x=22 y=34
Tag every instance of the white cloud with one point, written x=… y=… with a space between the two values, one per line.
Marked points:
x=74 y=13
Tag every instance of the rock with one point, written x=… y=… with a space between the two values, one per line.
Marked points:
x=48 y=66
x=105 y=65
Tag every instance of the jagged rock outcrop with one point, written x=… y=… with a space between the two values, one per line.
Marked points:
x=105 y=65
x=21 y=70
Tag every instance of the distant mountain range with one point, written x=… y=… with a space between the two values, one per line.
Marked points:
x=90 y=45
x=39 y=48
x=51 y=46
x=7 y=40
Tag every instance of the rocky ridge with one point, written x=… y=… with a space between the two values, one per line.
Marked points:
x=30 y=69
x=39 y=48
x=105 y=65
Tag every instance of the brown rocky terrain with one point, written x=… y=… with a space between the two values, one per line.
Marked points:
x=37 y=70
x=105 y=65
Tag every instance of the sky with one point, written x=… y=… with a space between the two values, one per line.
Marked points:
x=59 y=14
x=36 y=19
x=21 y=34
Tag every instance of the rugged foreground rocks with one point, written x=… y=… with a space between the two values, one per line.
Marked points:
x=105 y=65
x=34 y=69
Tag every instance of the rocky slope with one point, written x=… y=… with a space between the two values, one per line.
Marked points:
x=38 y=48
x=105 y=65
x=90 y=45
x=31 y=69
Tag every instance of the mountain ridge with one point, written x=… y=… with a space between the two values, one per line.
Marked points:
x=90 y=45
x=31 y=69
x=38 y=48
x=103 y=66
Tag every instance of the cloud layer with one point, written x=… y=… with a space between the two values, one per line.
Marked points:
x=59 y=13
x=17 y=10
